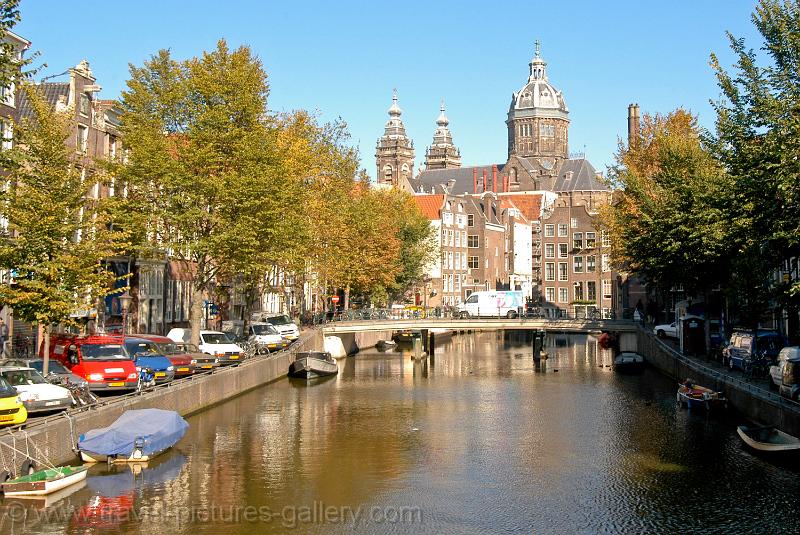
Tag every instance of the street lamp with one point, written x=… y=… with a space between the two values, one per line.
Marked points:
x=125 y=301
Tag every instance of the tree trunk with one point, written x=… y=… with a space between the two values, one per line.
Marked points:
x=46 y=356
x=347 y=298
x=196 y=315
x=10 y=339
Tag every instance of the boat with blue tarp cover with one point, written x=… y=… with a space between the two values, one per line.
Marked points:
x=136 y=436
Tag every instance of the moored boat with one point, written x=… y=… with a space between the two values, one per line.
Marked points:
x=383 y=345
x=136 y=436
x=628 y=361
x=699 y=397
x=311 y=364
x=768 y=439
x=44 y=481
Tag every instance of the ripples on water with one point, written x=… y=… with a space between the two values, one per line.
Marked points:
x=480 y=439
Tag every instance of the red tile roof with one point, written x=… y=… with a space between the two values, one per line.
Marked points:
x=430 y=205
x=529 y=204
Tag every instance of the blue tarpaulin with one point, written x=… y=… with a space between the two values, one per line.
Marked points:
x=157 y=429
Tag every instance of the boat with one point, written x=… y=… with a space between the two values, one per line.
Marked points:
x=406 y=335
x=45 y=481
x=628 y=362
x=768 y=439
x=383 y=345
x=311 y=364
x=136 y=436
x=699 y=397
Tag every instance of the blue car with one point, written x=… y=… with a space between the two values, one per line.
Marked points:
x=146 y=355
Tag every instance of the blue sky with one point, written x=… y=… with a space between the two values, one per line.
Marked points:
x=342 y=59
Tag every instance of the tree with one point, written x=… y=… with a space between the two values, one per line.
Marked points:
x=55 y=237
x=201 y=161
x=758 y=140
x=668 y=221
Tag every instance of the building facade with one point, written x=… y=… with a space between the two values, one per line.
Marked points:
x=394 y=152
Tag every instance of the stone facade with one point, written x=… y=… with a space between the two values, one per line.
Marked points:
x=394 y=153
x=442 y=154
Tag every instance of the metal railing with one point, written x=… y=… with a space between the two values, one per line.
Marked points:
x=385 y=314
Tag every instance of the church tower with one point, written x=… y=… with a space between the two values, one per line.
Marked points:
x=394 y=153
x=538 y=119
x=442 y=154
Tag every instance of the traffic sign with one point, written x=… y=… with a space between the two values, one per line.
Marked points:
x=335 y=299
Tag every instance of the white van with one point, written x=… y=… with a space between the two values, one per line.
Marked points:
x=211 y=342
x=492 y=304
x=283 y=324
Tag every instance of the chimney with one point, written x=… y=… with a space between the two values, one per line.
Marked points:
x=633 y=124
x=494 y=178
x=474 y=180
x=505 y=183
x=483 y=190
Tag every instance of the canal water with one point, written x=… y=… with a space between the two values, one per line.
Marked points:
x=479 y=439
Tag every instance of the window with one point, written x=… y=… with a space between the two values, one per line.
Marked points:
x=562 y=230
x=550 y=271
x=547 y=130
x=472 y=241
x=472 y=262
x=606 y=289
x=84 y=105
x=458 y=239
x=577 y=264
x=562 y=250
x=447 y=218
x=590 y=240
x=460 y=218
x=549 y=231
x=549 y=250
x=7 y=94
x=577 y=240
x=590 y=260
x=550 y=294
x=83 y=138
x=7 y=131
x=606 y=238
x=450 y=260
x=470 y=220
x=563 y=295
x=604 y=263
x=562 y=271
x=573 y=222
x=578 y=291
x=458 y=261
x=591 y=291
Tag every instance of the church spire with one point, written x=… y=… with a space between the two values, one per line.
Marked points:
x=537 y=65
x=394 y=154
x=442 y=154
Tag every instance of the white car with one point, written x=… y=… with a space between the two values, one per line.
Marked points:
x=285 y=326
x=211 y=342
x=35 y=392
x=266 y=336
x=666 y=330
x=776 y=370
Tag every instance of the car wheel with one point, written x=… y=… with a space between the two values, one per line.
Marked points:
x=730 y=364
x=464 y=315
x=661 y=334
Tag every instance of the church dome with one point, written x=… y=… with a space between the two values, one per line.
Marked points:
x=538 y=98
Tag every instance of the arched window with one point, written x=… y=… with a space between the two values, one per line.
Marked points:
x=404 y=170
x=387 y=171
x=513 y=175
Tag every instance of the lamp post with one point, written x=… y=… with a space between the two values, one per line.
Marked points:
x=125 y=301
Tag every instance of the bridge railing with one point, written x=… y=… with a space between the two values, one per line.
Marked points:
x=387 y=314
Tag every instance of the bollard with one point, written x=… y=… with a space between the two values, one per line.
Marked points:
x=416 y=348
x=432 y=345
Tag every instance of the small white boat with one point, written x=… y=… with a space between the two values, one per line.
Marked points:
x=382 y=345
x=44 y=481
x=628 y=362
x=312 y=364
x=768 y=439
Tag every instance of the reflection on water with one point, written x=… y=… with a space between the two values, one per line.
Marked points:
x=481 y=438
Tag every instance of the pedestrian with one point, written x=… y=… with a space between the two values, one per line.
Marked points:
x=3 y=336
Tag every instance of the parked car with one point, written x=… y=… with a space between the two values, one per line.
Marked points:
x=666 y=330
x=57 y=373
x=146 y=355
x=202 y=361
x=35 y=391
x=776 y=370
x=267 y=337
x=100 y=359
x=12 y=410
x=183 y=363
x=790 y=382
x=211 y=342
x=284 y=324
x=739 y=351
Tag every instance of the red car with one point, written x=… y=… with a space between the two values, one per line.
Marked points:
x=182 y=362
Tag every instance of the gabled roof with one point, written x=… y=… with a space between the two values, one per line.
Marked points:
x=437 y=179
x=51 y=91
x=430 y=205
x=578 y=175
x=529 y=204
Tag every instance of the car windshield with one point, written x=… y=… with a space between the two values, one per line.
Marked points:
x=52 y=367
x=24 y=377
x=188 y=348
x=139 y=348
x=263 y=329
x=104 y=352
x=6 y=390
x=279 y=320
x=169 y=348
x=216 y=338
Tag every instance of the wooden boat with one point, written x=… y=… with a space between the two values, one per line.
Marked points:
x=406 y=335
x=311 y=364
x=383 y=345
x=768 y=439
x=628 y=362
x=44 y=481
x=699 y=397
x=136 y=436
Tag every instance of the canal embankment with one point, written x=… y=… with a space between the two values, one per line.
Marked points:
x=54 y=438
x=752 y=398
